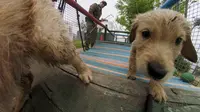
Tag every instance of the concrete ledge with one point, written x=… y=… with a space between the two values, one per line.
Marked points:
x=62 y=92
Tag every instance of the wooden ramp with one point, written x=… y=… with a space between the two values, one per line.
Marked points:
x=112 y=59
x=61 y=91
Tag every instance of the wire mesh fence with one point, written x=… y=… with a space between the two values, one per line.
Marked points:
x=70 y=17
x=191 y=9
x=193 y=15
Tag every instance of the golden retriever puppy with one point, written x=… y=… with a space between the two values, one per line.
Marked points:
x=31 y=29
x=158 y=37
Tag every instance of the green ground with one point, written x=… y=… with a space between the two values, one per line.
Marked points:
x=77 y=43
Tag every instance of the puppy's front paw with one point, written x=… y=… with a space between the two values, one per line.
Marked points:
x=86 y=76
x=131 y=76
x=158 y=93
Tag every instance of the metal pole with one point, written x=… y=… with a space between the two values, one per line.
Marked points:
x=105 y=33
x=169 y=4
x=79 y=26
x=186 y=8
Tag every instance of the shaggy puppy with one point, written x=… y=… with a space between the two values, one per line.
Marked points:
x=31 y=29
x=158 y=37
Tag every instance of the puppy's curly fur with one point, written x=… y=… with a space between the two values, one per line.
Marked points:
x=31 y=29
x=158 y=37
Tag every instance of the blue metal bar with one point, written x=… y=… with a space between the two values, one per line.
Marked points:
x=169 y=4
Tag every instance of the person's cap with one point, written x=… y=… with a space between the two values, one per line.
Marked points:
x=104 y=2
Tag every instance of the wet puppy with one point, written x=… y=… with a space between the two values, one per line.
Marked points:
x=31 y=29
x=158 y=37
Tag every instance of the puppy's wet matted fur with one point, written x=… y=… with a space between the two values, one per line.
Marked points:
x=31 y=29
x=158 y=37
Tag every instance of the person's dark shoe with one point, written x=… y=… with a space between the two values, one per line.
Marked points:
x=86 y=47
x=92 y=45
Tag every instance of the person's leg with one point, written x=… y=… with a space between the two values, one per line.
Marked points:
x=94 y=37
x=87 y=40
x=88 y=35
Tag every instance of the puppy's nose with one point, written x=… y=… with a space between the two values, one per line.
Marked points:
x=156 y=70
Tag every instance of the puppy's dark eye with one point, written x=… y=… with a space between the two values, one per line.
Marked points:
x=178 y=41
x=146 y=34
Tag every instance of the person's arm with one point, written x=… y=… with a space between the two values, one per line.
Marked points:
x=102 y=20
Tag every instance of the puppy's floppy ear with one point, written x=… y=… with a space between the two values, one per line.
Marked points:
x=188 y=50
x=133 y=32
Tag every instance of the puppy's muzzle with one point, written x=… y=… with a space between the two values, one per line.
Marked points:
x=156 y=70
